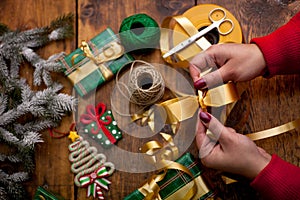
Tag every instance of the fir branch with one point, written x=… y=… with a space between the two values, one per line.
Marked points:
x=16 y=191
x=8 y=137
x=42 y=67
x=16 y=177
x=62 y=27
x=47 y=78
x=29 y=139
x=18 y=102
x=3 y=194
x=19 y=176
x=3 y=67
x=14 y=69
x=13 y=114
x=26 y=92
x=27 y=156
x=3 y=103
x=11 y=158
x=3 y=29
x=36 y=125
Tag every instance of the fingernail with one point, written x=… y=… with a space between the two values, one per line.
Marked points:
x=200 y=84
x=205 y=117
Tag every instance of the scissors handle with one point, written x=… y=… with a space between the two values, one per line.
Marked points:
x=218 y=17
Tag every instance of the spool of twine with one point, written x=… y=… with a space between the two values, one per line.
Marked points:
x=139 y=33
x=145 y=84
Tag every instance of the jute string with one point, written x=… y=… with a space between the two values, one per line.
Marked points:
x=145 y=84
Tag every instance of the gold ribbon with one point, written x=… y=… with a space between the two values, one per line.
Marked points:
x=151 y=189
x=179 y=109
x=157 y=153
x=266 y=134
x=110 y=51
x=182 y=108
x=218 y=96
x=275 y=131
x=201 y=189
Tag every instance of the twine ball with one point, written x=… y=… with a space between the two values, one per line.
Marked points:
x=146 y=85
x=139 y=33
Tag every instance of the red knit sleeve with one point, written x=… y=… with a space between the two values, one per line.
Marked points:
x=281 y=49
x=279 y=180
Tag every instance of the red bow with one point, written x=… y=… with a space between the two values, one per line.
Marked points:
x=94 y=115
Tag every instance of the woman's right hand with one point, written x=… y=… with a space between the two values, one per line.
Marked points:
x=235 y=62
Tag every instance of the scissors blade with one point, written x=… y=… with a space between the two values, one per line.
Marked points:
x=178 y=47
x=189 y=41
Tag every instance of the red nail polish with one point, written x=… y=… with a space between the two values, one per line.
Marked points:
x=200 y=84
x=205 y=117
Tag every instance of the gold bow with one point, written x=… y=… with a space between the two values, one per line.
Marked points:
x=182 y=108
x=151 y=189
x=110 y=51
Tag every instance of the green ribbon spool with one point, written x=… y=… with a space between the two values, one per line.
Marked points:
x=139 y=33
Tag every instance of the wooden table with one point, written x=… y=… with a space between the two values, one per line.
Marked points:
x=266 y=102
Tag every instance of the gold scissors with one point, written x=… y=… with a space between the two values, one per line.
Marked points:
x=218 y=18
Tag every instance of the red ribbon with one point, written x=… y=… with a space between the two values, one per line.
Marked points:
x=95 y=181
x=58 y=134
x=94 y=115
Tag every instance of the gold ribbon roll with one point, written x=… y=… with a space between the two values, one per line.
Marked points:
x=189 y=23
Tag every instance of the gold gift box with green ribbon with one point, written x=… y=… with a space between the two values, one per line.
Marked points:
x=95 y=62
x=182 y=181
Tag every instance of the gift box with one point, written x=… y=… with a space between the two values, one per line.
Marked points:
x=95 y=62
x=178 y=185
x=42 y=194
x=100 y=125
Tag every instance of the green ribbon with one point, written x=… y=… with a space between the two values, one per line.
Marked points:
x=95 y=181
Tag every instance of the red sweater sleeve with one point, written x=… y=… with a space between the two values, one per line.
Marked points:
x=279 y=180
x=281 y=49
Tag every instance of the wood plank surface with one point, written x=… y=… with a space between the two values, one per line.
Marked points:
x=266 y=103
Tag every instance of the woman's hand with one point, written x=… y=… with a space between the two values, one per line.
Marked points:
x=234 y=152
x=232 y=62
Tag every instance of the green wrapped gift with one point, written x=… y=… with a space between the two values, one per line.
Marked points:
x=42 y=194
x=177 y=184
x=100 y=124
x=95 y=62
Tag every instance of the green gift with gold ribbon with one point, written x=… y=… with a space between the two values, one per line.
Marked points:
x=95 y=62
x=176 y=184
x=43 y=194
